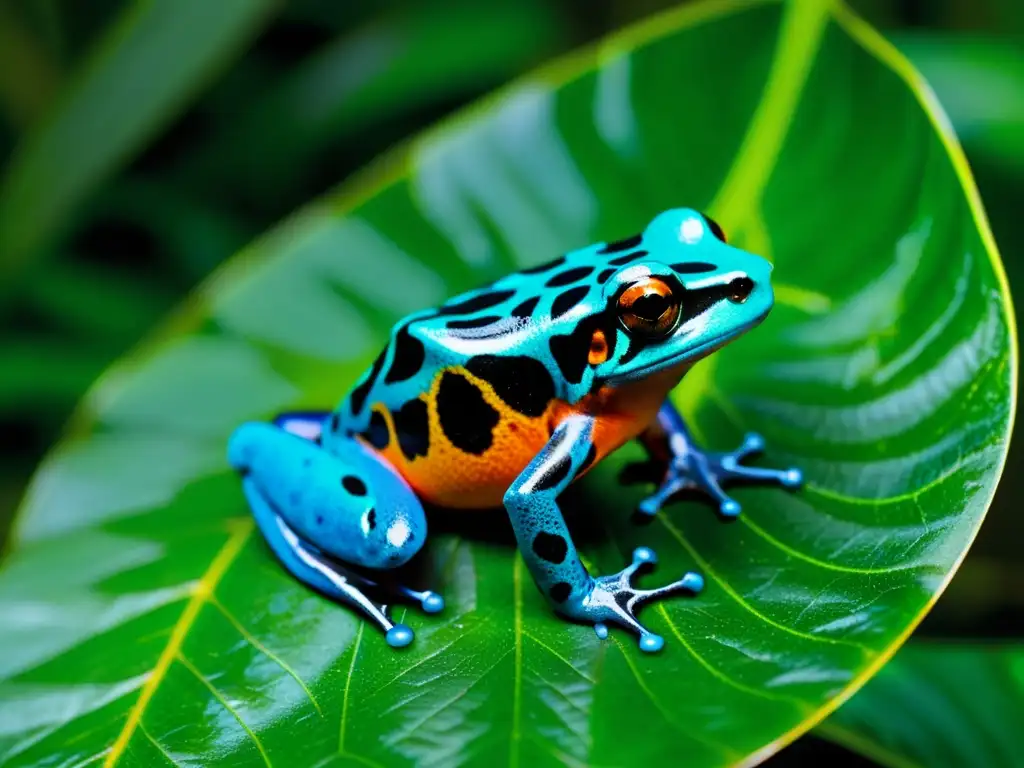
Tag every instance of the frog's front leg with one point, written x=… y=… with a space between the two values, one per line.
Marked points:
x=320 y=509
x=688 y=467
x=549 y=552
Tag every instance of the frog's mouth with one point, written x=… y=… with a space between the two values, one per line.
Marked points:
x=681 y=352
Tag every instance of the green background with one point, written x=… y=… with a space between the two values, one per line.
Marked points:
x=109 y=235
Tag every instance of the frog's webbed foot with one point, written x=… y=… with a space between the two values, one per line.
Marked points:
x=691 y=468
x=614 y=598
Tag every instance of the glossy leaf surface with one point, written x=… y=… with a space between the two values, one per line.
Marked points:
x=149 y=623
x=937 y=705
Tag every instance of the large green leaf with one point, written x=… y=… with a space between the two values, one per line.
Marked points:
x=937 y=705
x=146 y=621
x=151 y=60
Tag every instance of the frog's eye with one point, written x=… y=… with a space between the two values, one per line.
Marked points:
x=649 y=307
x=716 y=229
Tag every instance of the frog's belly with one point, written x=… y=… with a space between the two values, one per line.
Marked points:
x=476 y=445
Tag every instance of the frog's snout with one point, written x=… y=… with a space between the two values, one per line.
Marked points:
x=752 y=287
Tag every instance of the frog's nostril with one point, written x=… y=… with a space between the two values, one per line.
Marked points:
x=739 y=289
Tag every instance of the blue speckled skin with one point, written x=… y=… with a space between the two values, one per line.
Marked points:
x=507 y=394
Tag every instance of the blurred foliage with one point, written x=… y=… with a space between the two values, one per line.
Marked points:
x=304 y=93
x=938 y=705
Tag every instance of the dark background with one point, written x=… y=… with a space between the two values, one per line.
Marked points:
x=234 y=158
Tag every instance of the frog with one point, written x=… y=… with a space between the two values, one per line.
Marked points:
x=503 y=396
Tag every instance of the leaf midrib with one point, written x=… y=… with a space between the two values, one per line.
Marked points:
x=201 y=594
x=800 y=34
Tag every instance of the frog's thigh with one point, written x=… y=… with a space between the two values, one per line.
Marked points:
x=347 y=502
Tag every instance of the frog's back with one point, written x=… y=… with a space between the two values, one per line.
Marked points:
x=464 y=396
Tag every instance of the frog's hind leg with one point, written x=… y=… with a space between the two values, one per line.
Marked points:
x=319 y=510
x=309 y=566
x=688 y=467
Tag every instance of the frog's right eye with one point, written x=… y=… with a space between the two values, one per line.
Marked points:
x=715 y=228
x=649 y=308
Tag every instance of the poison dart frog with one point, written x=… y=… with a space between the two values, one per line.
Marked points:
x=506 y=395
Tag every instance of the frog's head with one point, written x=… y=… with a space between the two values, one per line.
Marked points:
x=686 y=294
x=616 y=312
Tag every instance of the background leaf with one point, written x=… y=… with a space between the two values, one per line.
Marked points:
x=152 y=58
x=28 y=75
x=886 y=370
x=395 y=64
x=938 y=705
x=981 y=82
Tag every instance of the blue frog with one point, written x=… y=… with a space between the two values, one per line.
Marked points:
x=506 y=395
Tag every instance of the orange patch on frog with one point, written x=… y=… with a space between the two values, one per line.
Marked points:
x=451 y=477
x=622 y=413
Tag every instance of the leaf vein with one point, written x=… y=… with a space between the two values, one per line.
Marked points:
x=517 y=680
x=251 y=639
x=413 y=727
x=204 y=588
x=678 y=536
x=715 y=672
x=158 y=745
x=559 y=656
x=343 y=721
x=667 y=713
x=224 y=703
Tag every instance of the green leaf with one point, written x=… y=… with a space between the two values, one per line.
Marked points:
x=150 y=623
x=936 y=705
x=144 y=69
x=980 y=81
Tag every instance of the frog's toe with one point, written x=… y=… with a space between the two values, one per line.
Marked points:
x=650 y=506
x=730 y=508
x=752 y=443
x=399 y=636
x=432 y=603
x=692 y=582
x=710 y=472
x=731 y=469
x=651 y=643
x=673 y=483
x=643 y=555
x=614 y=598
x=792 y=478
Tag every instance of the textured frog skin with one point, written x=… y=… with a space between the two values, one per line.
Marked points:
x=507 y=394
